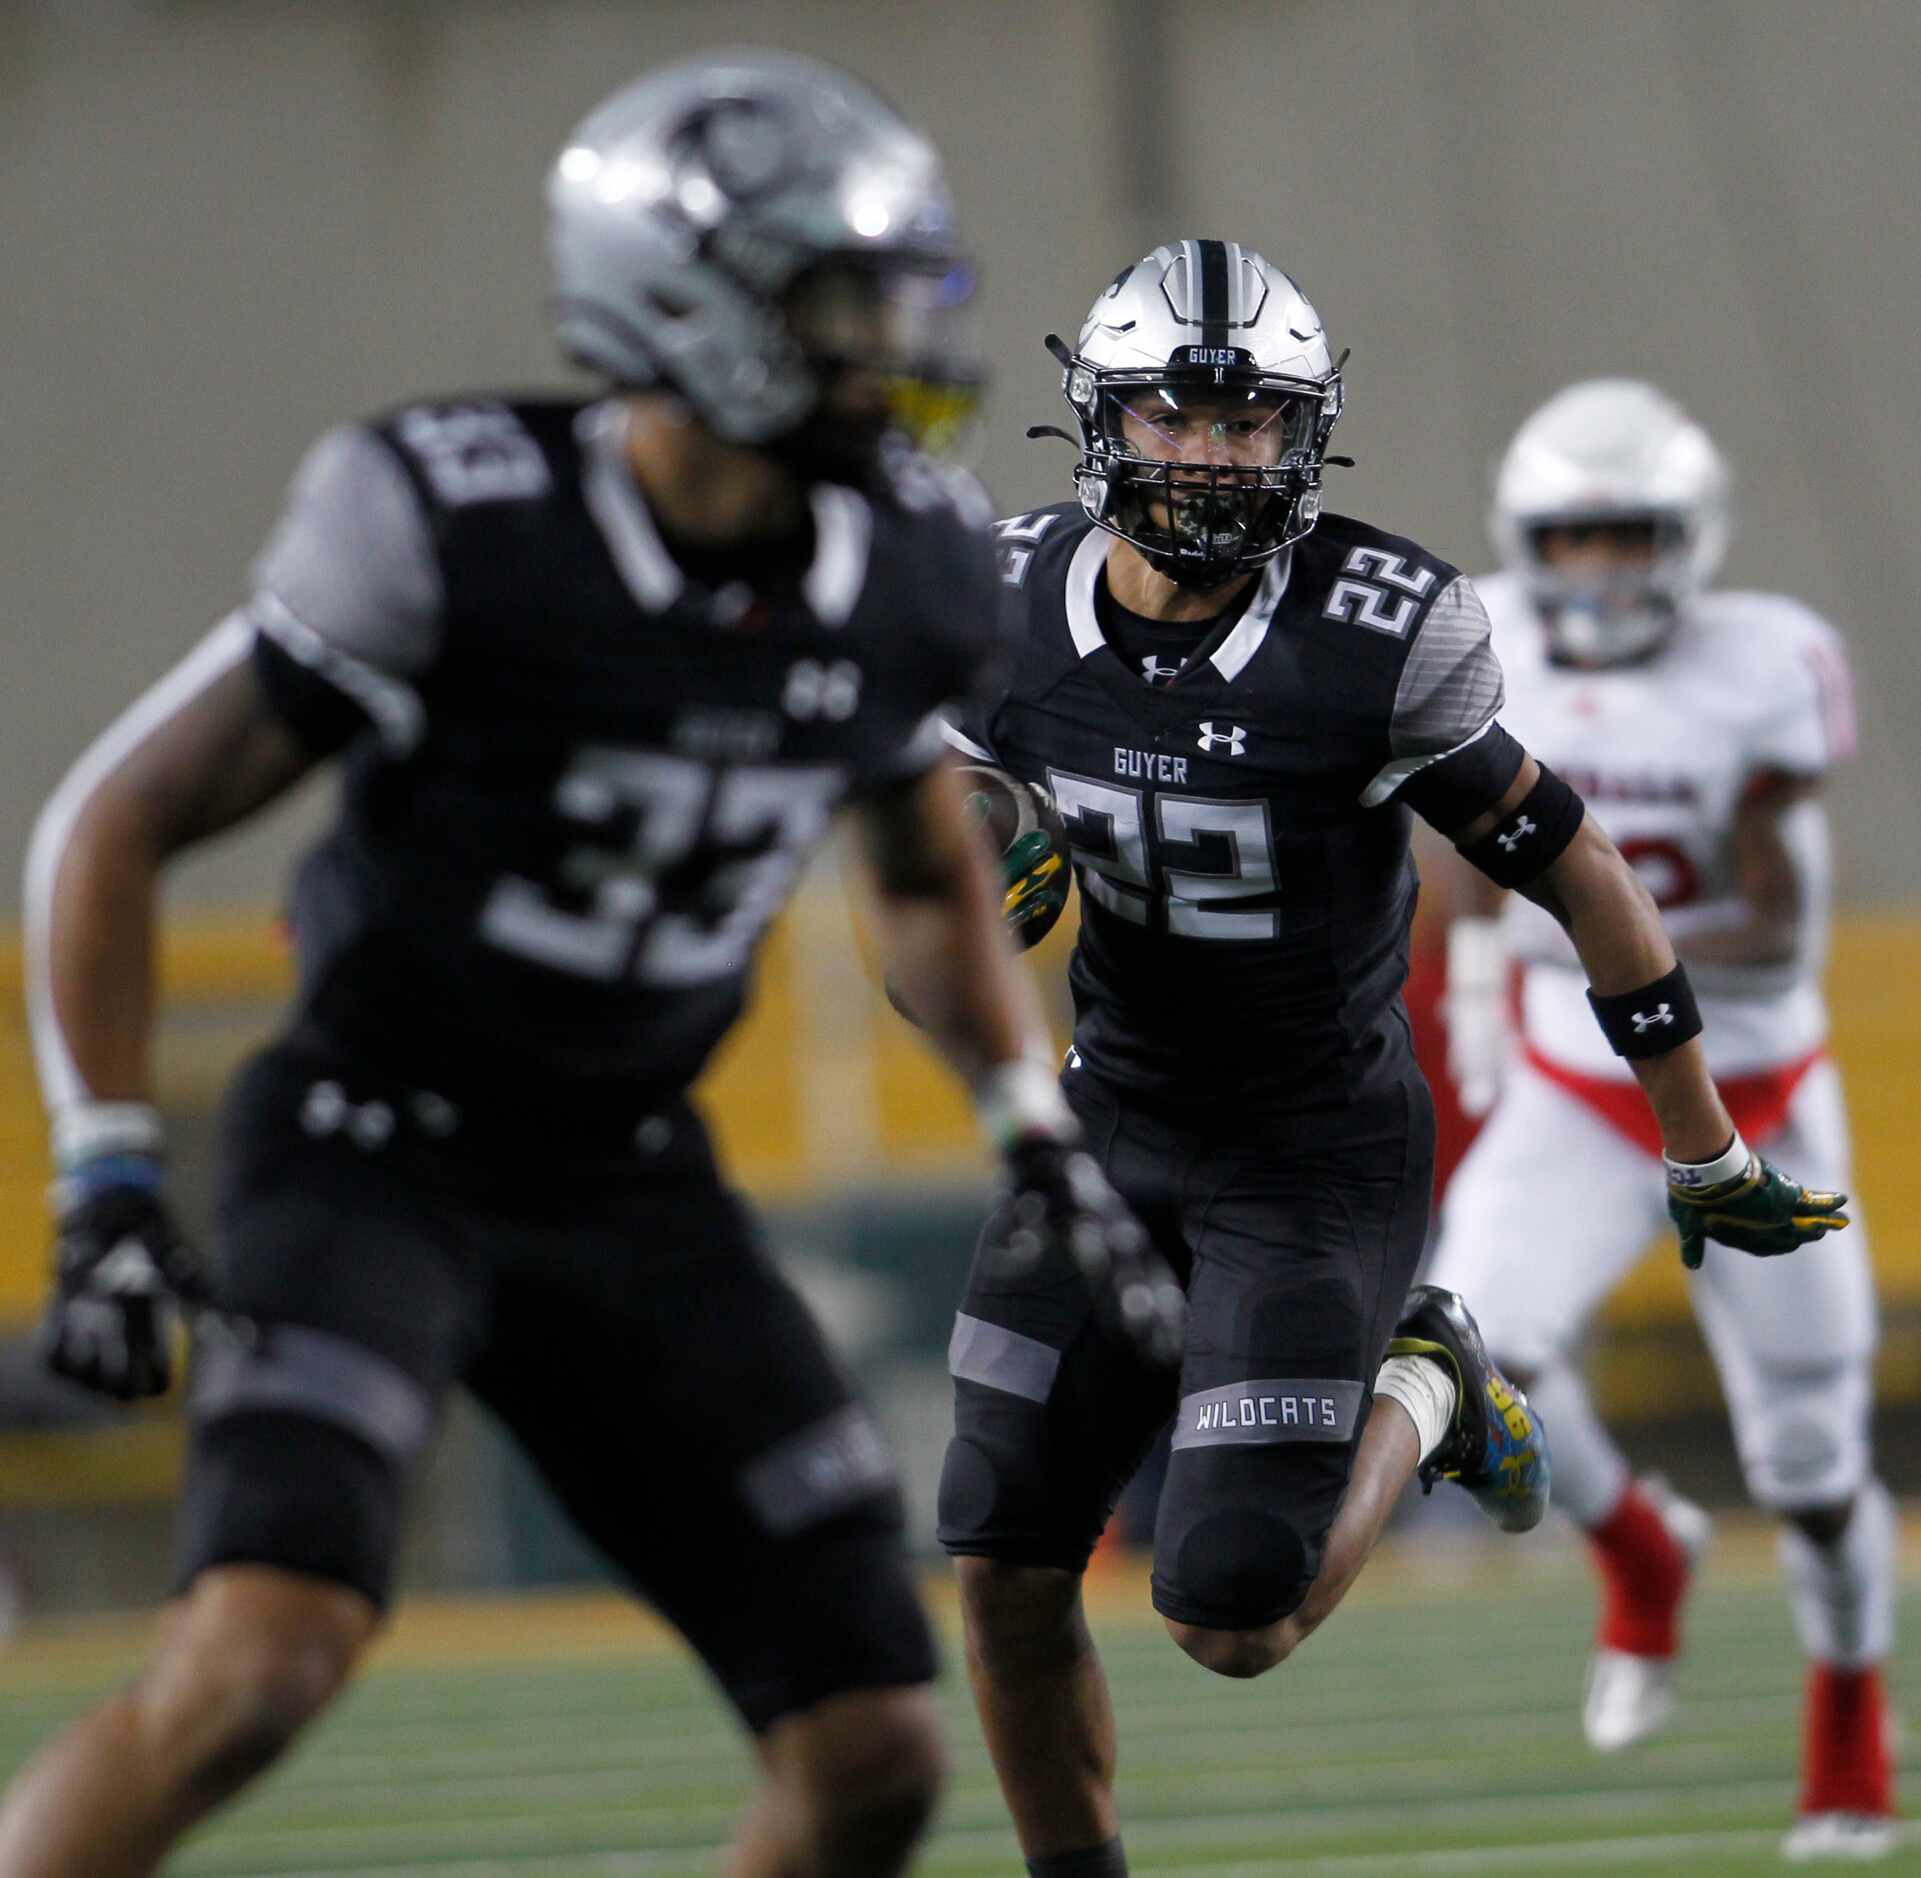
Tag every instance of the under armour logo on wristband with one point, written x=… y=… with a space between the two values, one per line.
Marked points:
x=1644 y=1021
x=1513 y=841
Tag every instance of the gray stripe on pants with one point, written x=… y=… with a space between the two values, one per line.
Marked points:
x=1001 y=1359
x=1254 y=1414
x=818 y=1471
x=295 y=1371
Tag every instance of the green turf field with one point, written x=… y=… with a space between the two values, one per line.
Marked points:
x=1429 y=1729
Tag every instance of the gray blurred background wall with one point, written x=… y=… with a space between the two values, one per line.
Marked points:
x=226 y=223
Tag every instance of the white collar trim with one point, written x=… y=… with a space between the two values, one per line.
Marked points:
x=1231 y=657
x=632 y=539
x=843 y=528
x=1083 y=574
x=843 y=534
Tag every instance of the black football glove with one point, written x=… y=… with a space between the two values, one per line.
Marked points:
x=1057 y=1196
x=1760 y=1211
x=120 y=1269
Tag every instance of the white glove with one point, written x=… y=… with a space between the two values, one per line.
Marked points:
x=1474 y=1008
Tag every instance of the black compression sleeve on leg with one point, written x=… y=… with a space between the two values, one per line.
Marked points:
x=1098 y=1861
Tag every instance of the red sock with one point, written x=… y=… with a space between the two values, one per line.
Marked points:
x=1643 y=1576
x=1847 y=1760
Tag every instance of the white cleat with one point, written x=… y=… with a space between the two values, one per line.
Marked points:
x=1860 y=1837
x=1628 y=1699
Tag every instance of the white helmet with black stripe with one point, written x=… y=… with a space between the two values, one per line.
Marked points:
x=1205 y=394
x=1615 y=456
x=749 y=227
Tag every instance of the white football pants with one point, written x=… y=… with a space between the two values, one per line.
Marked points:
x=1550 y=1210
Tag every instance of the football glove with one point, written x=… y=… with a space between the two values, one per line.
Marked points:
x=1057 y=1196
x=1035 y=876
x=120 y=1269
x=1760 y=1211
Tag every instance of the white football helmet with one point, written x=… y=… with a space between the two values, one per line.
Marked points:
x=1612 y=452
x=743 y=226
x=1211 y=321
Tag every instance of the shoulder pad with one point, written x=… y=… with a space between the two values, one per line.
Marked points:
x=1763 y=625
x=1039 y=537
x=1356 y=575
x=924 y=485
x=481 y=449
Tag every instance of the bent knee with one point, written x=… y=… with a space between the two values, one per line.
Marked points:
x=1241 y=1654
x=244 y=1667
x=1018 y=1613
x=870 y=1767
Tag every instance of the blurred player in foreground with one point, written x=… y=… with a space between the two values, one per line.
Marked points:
x=1699 y=726
x=1237 y=703
x=597 y=675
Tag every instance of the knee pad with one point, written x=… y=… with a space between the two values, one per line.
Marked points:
x=1232 y=1568
x=1804 y=1441
x=836 y=1614
x=278 y=1489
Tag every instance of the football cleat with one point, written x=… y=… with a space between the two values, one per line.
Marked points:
x=1840 y=1837
x=1629 y=1694
x=1848 y=1764
x=1498 y=1449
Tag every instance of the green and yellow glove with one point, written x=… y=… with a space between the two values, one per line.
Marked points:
x=1756 y=1208
x=1036 y=877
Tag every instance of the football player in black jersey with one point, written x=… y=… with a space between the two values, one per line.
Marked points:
x=1235 y=701
x=596 y=675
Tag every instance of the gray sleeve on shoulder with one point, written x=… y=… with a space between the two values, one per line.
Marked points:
x=1451 y=685
x=351 y=564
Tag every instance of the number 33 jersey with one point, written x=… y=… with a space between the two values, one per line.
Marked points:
x=1750 y=687
x=1240 y=832
x=579 y=781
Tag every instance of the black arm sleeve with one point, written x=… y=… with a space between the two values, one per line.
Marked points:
x=1450 y=793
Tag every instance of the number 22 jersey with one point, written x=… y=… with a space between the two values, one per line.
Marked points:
x=1240 y=832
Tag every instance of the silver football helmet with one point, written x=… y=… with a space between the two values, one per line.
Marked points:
x=1205 y=395
x=750 y=228
x=1617 y=455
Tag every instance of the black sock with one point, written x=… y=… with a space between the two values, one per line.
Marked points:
x=1098 y=1861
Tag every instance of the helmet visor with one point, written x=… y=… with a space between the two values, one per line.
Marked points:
x=895 y=345
x=1241 y=428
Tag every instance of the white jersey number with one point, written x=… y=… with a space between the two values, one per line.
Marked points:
x=643 y=815
x=1108 y=828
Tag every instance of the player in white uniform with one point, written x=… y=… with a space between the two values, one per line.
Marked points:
x=1699 y=727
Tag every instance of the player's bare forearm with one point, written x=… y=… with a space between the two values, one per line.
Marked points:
x=100 y=952
x=215 y=762
x=1611 y=918
x=1763 y=923
x=943 y=947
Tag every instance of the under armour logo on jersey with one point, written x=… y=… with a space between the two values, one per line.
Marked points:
x=1158 y=674
x=327 y=1111
x=817 y=688
x=1233 y=739
x=1644 y=1021
x=1520 y=834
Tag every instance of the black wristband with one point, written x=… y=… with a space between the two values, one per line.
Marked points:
x=1651 y=1021
x=1524 y=844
